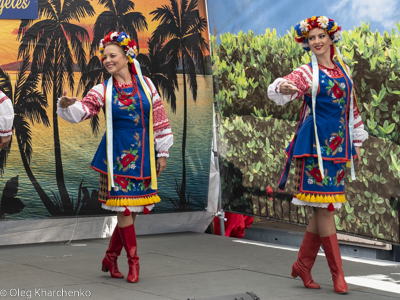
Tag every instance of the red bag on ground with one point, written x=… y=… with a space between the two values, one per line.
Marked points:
x=234 y=225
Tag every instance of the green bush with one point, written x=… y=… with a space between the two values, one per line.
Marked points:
x=246 y=64
x=253 y=130
x=375 y=63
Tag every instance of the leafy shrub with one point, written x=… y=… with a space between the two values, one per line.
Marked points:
x=253 y=130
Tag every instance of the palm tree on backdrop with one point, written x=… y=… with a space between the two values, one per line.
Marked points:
x=93 y=75
x=161 y=71
x=29 y=108
x=119 y=16
x=54 y=41
x=180 y=31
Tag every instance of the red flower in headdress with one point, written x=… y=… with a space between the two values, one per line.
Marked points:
x=132 y=43
x=107 y=38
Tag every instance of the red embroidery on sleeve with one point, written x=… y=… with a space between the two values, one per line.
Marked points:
x=160 y=120
x=91 y=104
x=356 y=112
x=162 y=135
x=299 y=77
x=305 y=70
x=358 y=124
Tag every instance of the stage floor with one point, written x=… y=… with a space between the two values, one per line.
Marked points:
x=182 y=266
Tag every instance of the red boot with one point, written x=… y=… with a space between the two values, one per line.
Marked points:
x=306 y=258
x=112 y=253
x=332 y=253
x=128 y=236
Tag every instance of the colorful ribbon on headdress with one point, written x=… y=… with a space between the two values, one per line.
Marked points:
x=314 y=91
x=149 y=97
x=109 y=133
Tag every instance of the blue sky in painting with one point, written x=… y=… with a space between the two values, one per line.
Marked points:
x=258 y=15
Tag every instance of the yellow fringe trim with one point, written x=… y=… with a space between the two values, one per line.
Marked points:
x=133 y=201
x=321 y=198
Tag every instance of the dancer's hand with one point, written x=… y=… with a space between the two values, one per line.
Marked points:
x=358 y=151
x=161 y=165
x=66 y=101
x=288 y=88
x=4 y=141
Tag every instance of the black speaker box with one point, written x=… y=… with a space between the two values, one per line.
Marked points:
x=245 y=296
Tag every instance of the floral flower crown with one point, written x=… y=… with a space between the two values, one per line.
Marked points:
x=302 y=29
x=121 y=39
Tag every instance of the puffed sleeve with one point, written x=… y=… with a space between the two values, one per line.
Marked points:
x=359 y=133
x=163 y=138
x=6 y=115
x=86 y=108
x=301 y=76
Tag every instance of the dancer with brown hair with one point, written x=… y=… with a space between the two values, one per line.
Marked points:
x=328 y=136
x=134 y=149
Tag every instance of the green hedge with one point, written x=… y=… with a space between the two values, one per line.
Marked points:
x=246 y=64
x=254 y=130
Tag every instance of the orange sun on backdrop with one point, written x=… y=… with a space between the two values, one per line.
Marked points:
x=9 y=28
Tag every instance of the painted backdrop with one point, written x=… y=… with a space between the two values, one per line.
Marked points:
x=252 y=45
x=46 y=173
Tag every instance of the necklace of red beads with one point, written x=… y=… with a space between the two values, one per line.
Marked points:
x=123 y=97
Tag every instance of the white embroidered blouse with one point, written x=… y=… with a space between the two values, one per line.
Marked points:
x=92 y=103
x=6 y=115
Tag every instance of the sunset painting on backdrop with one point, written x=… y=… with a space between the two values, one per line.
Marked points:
x=46 y=172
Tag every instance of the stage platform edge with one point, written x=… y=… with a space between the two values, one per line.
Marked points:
x=15 y=232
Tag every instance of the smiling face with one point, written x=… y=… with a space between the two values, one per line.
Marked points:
x=115 y=60
x=319 y=42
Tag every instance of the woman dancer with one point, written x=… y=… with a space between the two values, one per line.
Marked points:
x=134 y=149
x=329 y=135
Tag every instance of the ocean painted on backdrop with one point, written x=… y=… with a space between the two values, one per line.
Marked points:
x=78 y=146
